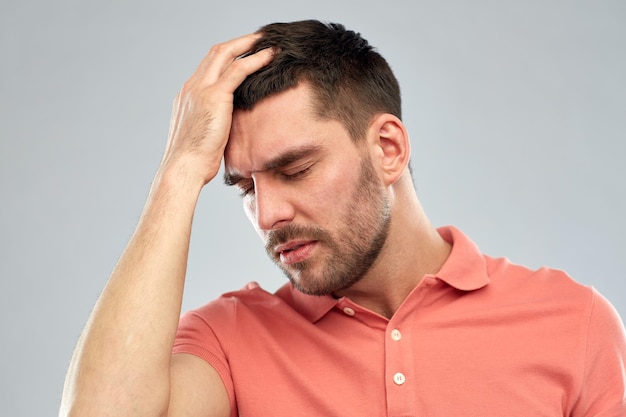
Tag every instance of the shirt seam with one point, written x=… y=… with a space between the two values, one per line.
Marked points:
x=583 y=365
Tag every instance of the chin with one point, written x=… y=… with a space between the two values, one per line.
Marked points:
x=319 y=287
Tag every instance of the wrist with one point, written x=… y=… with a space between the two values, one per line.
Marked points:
x=179 y=178
x=175 y=187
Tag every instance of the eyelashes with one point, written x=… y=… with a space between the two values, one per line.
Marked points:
x=247 y=187
x=297 y=174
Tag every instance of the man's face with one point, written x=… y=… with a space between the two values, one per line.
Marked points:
x=312 y=194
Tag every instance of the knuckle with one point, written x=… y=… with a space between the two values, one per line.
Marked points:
x=187 y=88
x=236 y=65
x=219 y=48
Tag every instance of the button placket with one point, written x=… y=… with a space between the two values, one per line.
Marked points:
x=399 y=366
x=398 y=378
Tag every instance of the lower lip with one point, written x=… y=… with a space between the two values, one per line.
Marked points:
x=300 y=254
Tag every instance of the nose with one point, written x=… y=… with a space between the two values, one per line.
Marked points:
x=272 y=208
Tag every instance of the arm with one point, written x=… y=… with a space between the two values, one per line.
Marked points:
x=122 y=364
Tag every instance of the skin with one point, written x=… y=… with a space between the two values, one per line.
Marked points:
x=302 y=191
x=324 y=196
x=122 y=365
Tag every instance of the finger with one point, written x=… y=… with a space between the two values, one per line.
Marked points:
x=221 y=55
x=241 y=68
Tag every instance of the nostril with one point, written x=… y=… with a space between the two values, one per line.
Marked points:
x=279 y=224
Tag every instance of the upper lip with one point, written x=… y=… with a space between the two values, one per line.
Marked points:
x=292 y=244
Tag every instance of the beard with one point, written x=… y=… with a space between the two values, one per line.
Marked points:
x=354 y=246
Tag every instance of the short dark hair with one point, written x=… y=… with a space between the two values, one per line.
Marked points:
x=351 y=81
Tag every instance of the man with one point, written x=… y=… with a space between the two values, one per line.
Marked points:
x=382 y=315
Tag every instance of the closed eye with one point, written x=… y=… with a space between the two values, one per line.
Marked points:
x=296 y=174
x=246 y=186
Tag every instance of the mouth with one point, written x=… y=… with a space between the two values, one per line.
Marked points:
x=295 y=251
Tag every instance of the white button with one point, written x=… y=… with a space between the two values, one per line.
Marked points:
x=396 y=335
x=348 y=311
x=399 y=378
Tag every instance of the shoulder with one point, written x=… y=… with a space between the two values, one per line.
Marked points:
x=214 y=329
x=539 y=284
x=243 y=307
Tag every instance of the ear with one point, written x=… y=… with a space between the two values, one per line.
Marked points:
x=390 y=145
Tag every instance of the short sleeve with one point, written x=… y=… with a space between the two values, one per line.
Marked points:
x=603 y=391
x=209 y=341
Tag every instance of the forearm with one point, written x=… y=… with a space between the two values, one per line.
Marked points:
x=123 y=357
x=121 y=365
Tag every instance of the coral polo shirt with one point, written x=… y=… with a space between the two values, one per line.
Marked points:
x=482 y=337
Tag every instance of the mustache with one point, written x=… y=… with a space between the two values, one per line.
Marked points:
x=291 y=232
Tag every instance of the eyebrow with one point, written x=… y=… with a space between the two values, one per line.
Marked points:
x=280 y=161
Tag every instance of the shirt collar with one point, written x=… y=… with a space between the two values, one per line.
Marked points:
x=465 y=269
x=311 y=307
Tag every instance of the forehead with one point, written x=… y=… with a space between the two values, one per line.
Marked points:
x=278 y=124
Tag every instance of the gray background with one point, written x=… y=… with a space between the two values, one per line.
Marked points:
x=516 y=111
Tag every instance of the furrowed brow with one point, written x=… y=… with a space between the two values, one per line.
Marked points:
x=288 y=157
x=291 y=156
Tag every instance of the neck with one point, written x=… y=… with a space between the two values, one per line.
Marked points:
x=413 y=249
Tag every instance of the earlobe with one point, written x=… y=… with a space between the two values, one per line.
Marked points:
x=392 y=146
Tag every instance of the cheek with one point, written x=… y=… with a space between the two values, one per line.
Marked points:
x=335 y=190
